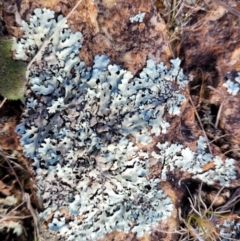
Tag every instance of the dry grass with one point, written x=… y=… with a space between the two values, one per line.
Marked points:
x=15 y=182
x=200 y=223
x=179 y=14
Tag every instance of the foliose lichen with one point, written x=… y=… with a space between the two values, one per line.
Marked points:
x=173 y=156
x=233 y=86
x=138 y=18
x=82 y=128
x=229 y=230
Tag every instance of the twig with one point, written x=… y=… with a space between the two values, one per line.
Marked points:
x=12 y=158
x=199 y=120
x=5 y=218
x=2 y=103
x=235 y=198
x=33 y=214
x=217 y=195
x=220 y=108
x=20 y=167
x=12 y=169
x=196 y=233
x=218 y=115
x=227 y=7
x=219 y=137
x=201 y=220
x=218 y=91
x=25 y=198
x=231 y=150
x=7 y=215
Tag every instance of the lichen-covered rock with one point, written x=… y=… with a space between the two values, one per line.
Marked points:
x=107 y=29
x=81 y=128
x=96 y=137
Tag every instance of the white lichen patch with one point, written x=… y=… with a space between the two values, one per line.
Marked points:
x=11 y=226
x=138 y=18
x=233 y=87
x=81 y=126
x=229 y=230
x=7 y=223
x=174 y=156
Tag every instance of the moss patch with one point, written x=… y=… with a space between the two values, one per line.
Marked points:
x=12 y=73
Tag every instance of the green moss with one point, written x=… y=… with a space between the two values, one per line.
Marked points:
x=12 y=73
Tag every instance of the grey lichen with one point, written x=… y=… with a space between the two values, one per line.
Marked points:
x=138 y=18
x=233 y=86
x=229 y=230
x=176 y=156
x=81 y=127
